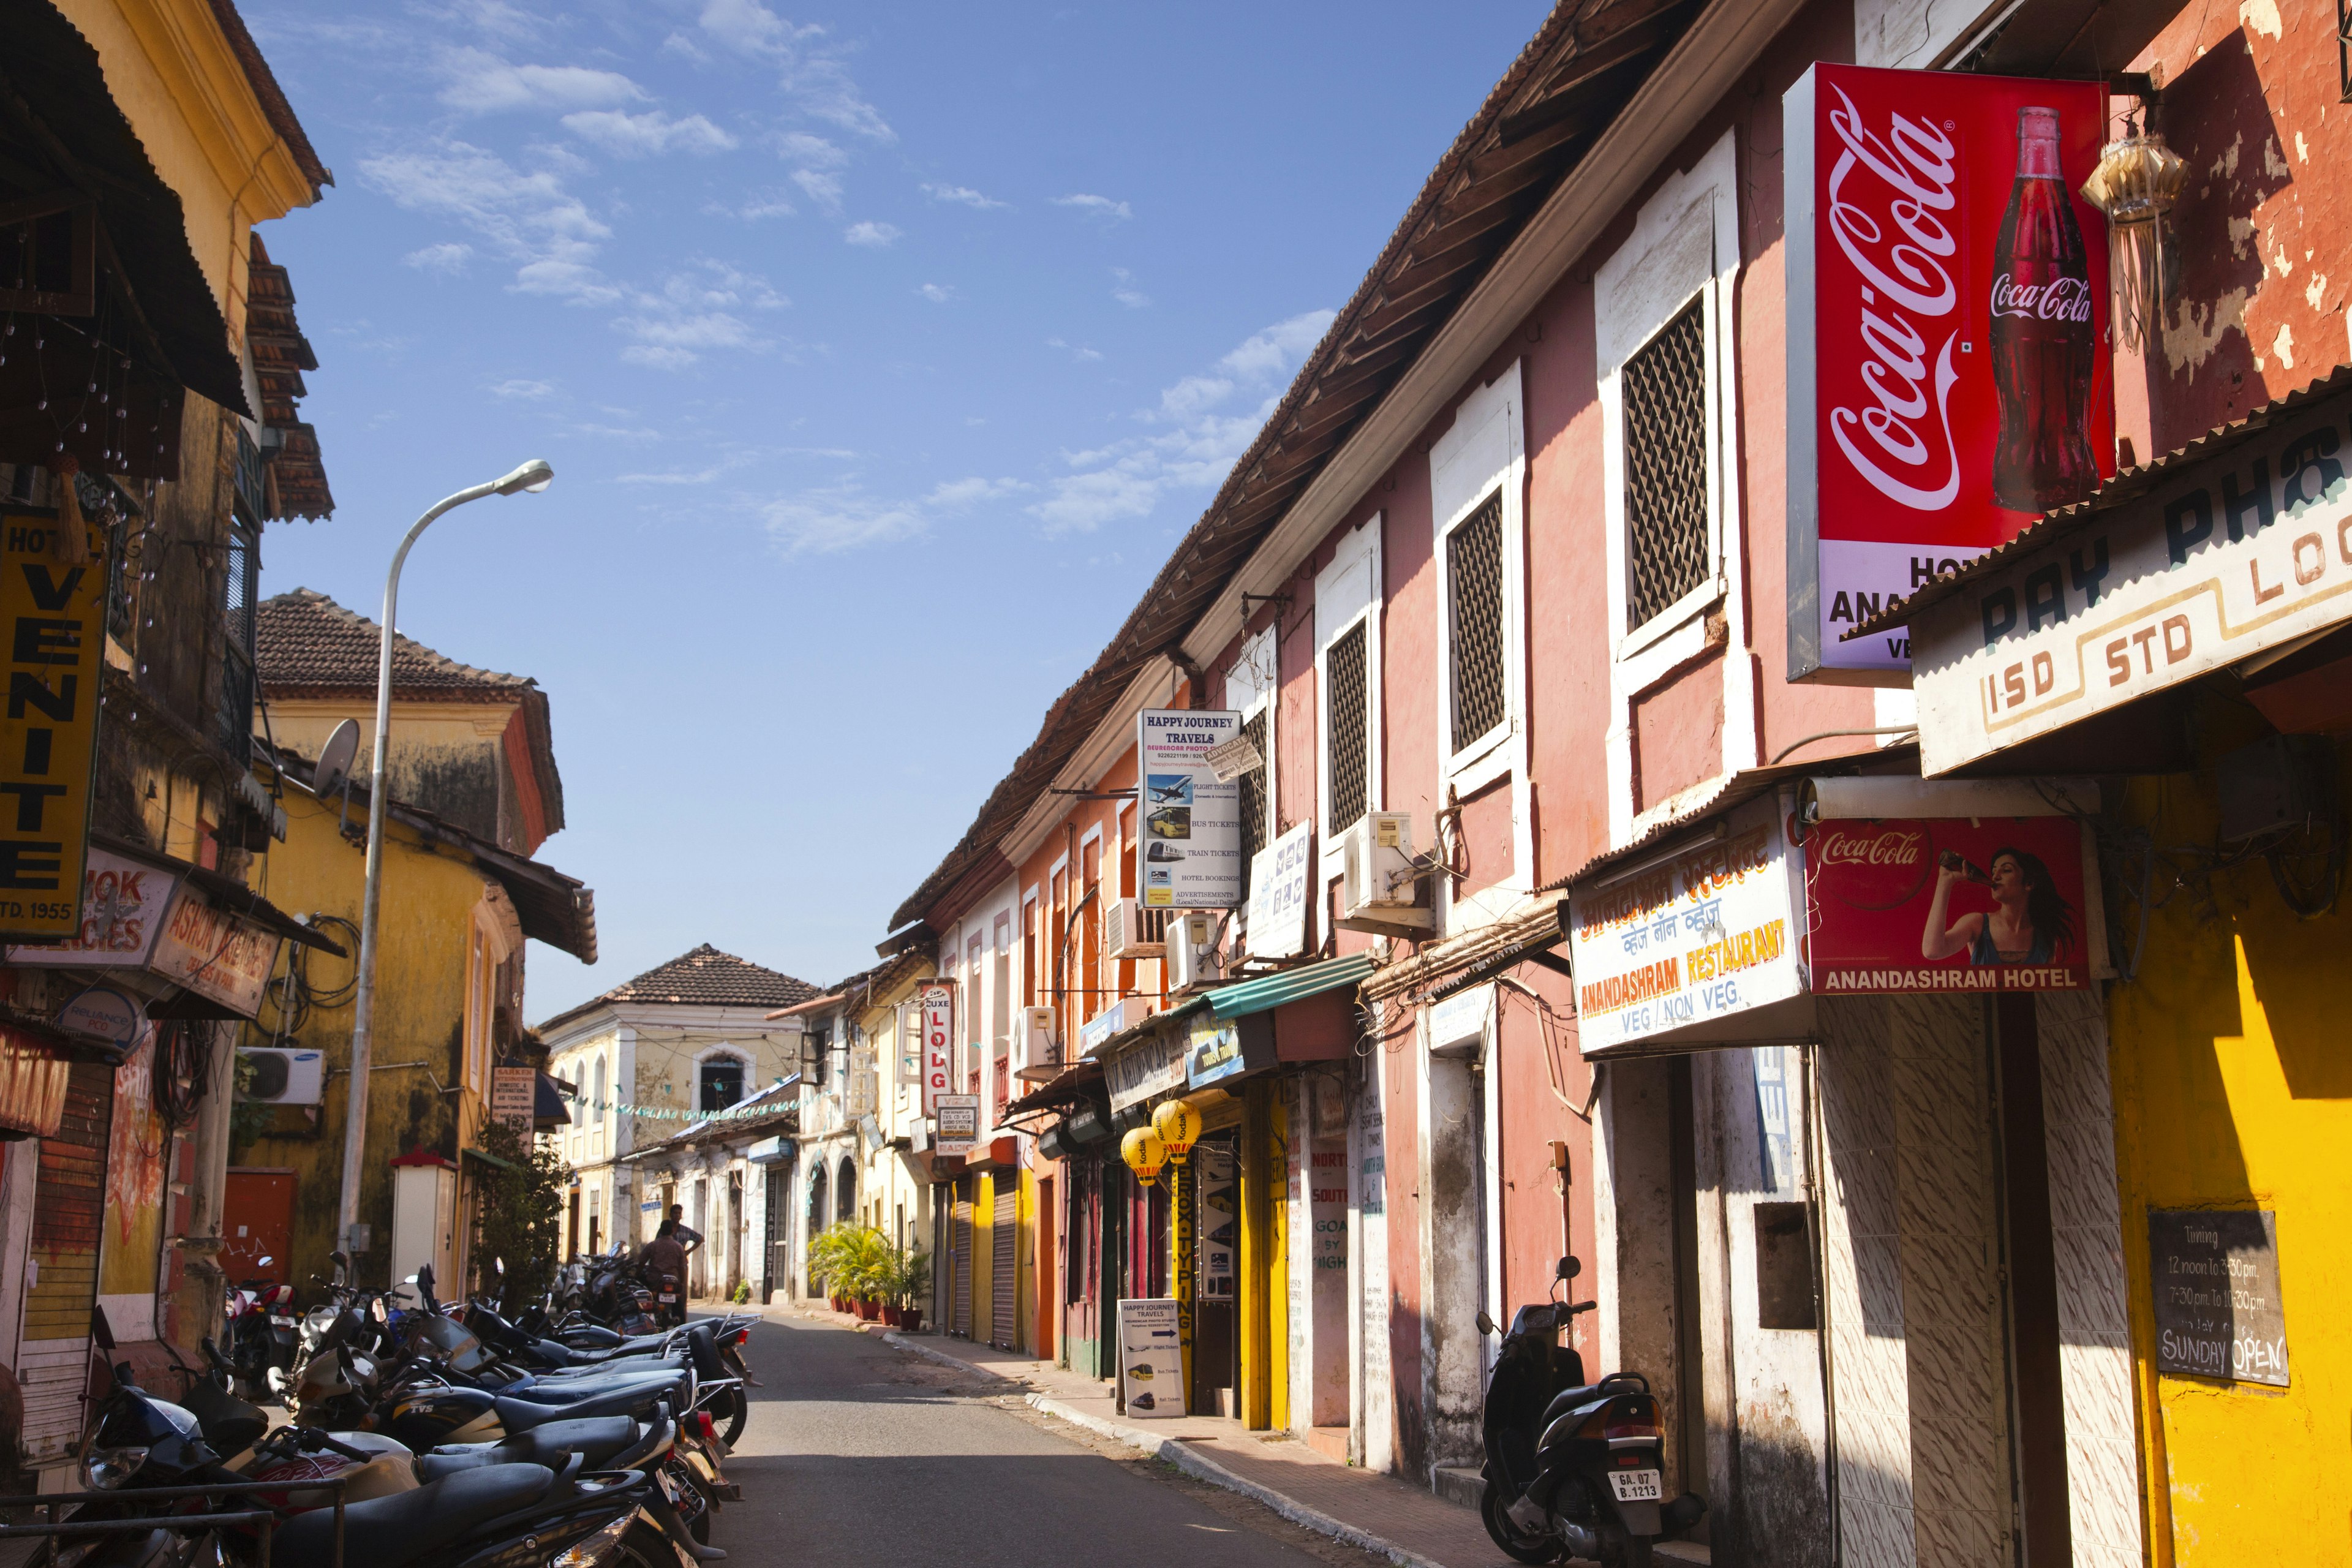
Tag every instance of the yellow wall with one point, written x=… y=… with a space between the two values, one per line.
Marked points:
x=426 y=911
x=172 y=74
x=2234 y=1089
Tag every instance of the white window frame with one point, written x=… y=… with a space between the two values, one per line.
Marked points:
x=1485 y=451
x=1356 y=562
x=1685 y=245
x=723 y=1049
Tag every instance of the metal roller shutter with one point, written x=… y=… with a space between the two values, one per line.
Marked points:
x=1003 y=1291
x=960 y=1287
x=68 y=1209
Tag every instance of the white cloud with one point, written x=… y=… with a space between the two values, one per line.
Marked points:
x=818 y=163
x=1077 y=353
x=1198 y=442
x=1126 y=292
x=809 y=70
x=823 y=189
x=694 y=312
x=699 y=477
x=442 y=258
x=1097 y=206
x=648 y=135
x=527 y=391
x=937 y=293
x=479 y=82
x=527 y=217
x=834 y=518
x=961 y=196
x=761 y=204
x=872 y=234
x=658 y=357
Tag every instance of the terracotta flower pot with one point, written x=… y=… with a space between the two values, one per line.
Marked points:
x=890 y=1314
x=911 y=1319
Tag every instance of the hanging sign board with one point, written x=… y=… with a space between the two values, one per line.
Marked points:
x=2216 y=1279
x=53 y=620
x=1696 y=934
x=1279 y=878
x=1948 y=304
x=1228 y=1049
x=937 y=1007
x=1151 y=1358
x=514 y=1096
x=1153 y=1065
x=2245 y=552
x=1947 y=904
x=958 y=1120
x=1189 y=853
x=122 y=905
x=214 y=955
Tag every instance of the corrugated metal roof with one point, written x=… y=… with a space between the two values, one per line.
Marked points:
x=1291 y=986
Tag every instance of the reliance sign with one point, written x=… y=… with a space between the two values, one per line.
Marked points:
x=1948 y=300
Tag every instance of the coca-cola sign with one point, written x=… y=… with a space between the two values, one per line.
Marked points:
x=1947 y=904
x=1947 y=313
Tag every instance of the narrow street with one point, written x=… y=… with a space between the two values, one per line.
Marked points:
x=857 y=1453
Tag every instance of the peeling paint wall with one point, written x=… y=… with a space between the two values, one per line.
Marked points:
x=2261 y=239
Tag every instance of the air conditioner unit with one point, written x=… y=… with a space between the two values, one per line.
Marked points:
x=1193 y=961
x=1379 y=886
x=283 y=1076
x=1130 y=931
x=1038 y=1047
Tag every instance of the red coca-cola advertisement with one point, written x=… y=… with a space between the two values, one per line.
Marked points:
x=1949 y=376
x=1947 y=904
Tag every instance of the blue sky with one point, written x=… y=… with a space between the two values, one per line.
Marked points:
x=882 y=355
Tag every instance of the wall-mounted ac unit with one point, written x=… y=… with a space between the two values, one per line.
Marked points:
x=1130 y=931
x=1193 y=961
x=282 y=1076
x=1379 y=886
x=1038 y=1045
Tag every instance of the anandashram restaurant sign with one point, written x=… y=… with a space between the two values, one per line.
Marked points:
x=1699 y=932
x=1948 y=295
x=2218 y=562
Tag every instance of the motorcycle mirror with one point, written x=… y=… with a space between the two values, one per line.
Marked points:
x=264 y=1261
x=1485 y=1324
x=100 y=1328
x=410 y=1280
x=1568 y=1269
x=500 y=1263
x=336 y=1257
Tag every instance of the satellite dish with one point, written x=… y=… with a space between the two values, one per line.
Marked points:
x=334 y=769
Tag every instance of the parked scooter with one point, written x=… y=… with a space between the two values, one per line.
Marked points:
x=1574 y=1469
x=261 y=1336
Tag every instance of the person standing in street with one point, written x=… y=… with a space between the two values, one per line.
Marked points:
x=664 y=1255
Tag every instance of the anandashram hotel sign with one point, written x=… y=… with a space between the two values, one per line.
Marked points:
x=2222 y=560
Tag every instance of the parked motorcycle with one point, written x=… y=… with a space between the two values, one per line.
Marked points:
x=1574 y=1469
x=262 y=1343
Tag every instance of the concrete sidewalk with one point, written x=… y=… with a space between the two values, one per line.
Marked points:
x=1381 y=1513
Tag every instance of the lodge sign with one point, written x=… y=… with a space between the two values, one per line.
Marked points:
x=2242 y=554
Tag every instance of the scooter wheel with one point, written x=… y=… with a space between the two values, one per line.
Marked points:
x=739 y=1410
x=1517 y=1547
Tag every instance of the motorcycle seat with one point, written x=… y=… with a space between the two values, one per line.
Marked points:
x=573 y=1390
x=521 y=1416
x=594 y=1439
x=412 y=1526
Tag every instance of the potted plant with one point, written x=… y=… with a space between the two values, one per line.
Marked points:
x=912 y=1281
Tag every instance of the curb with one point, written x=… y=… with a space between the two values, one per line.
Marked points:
x=1194 y=1464
x=893 y=1338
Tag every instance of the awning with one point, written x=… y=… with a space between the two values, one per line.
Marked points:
x=1067 y=1089
x=486 y=1157
x=546 y=1105
x=1273 y=991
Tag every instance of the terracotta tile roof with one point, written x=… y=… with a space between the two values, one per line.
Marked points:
x=304 y=642
x=709 y=978
x=297 y=482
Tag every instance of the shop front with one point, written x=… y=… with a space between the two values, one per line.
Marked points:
x=1854 y=1179
x=2188 y=634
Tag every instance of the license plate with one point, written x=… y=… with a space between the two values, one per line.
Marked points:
x=668 y=1298
x=1635 y=1486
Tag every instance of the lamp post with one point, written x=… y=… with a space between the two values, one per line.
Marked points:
x=533 y=476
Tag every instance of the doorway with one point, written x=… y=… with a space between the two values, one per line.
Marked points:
x=257 y=1216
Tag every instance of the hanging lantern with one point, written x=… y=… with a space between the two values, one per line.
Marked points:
x=1144 y=1153
x=1179 y=1126
x=2136 y=183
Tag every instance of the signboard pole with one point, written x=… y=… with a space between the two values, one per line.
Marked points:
x=1181 y=1232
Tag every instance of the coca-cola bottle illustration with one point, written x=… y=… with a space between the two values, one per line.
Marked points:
x=2043 y=341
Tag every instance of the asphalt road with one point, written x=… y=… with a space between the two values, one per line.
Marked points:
x=855 y=1453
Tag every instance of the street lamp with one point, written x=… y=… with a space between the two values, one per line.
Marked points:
x=533 y=476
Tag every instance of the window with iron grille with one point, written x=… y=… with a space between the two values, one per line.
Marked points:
x=722 y=1082
x=234 y=718
x=1473 y=570
x=1252 y=798
x=1665 y=468
x=1346 y=746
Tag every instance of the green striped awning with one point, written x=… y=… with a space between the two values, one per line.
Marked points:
x=1289 y=985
